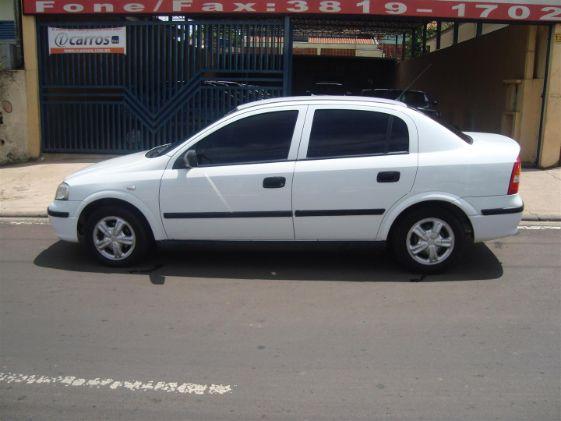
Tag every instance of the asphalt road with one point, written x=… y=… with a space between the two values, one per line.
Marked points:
x=278 y=333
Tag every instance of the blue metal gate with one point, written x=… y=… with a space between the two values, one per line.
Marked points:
x=176 y=77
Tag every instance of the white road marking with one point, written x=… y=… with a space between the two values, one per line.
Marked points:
x=24 y=221
x=112 y=384
x=539 y=227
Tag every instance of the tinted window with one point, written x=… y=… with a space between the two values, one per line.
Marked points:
x=354 y=133
x=262 y=137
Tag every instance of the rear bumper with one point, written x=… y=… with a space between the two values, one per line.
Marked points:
x=64 y=219
x=498 y=217
x=489 y=227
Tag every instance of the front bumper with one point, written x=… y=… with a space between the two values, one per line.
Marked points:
x=63 y=215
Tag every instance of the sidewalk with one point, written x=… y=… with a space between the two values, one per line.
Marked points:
x=27 y=189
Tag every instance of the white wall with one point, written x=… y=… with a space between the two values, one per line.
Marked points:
x=13 y=107
x=6 y=10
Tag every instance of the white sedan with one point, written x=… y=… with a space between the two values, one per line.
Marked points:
x=302 y=169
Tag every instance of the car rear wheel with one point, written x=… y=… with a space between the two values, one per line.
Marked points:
x=428 y=240
x=117 y=237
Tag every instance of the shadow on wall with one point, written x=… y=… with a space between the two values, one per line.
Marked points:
x=274 y=262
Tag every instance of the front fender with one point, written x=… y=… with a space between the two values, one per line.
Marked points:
x=151 y=215
x=414 y=199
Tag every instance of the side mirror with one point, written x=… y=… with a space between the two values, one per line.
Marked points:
x=434 y=102
x=190 y=159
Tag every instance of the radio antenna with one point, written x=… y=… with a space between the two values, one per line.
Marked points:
x=413 y=82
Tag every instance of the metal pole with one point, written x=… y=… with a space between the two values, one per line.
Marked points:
x=403 y=46
x=438 y=34
x=479 y=29
x=456 y=33
x=287 y=53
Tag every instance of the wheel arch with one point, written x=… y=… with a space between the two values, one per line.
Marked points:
x=460 y=208
x=153 y=224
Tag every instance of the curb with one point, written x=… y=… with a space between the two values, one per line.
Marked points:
x=23 y=215
x=542 y=218
x=526 y=218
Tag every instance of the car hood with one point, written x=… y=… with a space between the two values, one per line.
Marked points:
x=128 y=163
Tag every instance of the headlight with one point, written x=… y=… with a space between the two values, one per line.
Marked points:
x=62 y=191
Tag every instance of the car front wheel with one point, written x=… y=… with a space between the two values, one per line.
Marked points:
x=116 y=237
x=428 y=240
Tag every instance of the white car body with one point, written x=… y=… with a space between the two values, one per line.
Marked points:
x=336 y=199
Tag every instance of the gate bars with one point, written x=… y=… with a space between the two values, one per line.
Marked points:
x=176 y=78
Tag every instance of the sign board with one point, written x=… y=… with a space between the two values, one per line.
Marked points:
x=504 y=10
x=97 y=40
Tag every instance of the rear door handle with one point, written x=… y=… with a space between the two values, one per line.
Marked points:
x=274 y=182
x=388 y=177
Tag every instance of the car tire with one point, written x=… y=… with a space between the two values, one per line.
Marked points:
x=428 y=240
x=116 y=236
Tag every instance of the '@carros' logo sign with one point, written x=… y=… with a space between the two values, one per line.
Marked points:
x=100 y=40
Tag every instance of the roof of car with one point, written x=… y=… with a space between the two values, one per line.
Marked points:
x=320 y=99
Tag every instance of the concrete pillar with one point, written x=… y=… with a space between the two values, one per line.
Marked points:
x=32 y=85
x=550 y=153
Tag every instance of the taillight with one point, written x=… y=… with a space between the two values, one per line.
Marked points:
x=515 y=177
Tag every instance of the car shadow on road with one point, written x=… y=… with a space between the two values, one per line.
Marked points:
x=303 y=262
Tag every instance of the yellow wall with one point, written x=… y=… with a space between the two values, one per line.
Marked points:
x=32 y=86
x=551 y=142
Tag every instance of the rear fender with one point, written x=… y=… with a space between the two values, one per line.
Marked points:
x=411 y=200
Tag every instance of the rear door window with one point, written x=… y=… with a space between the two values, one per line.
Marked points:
x=348 y=133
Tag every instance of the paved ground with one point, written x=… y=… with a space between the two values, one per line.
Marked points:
x=541 y=191
x=27 y=189
x=337 y=333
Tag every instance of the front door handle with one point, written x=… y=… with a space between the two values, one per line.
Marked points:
x=388 y=177
x=274 y=182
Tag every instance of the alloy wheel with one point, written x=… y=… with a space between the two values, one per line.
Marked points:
x=114 y=238
x=430 y=241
